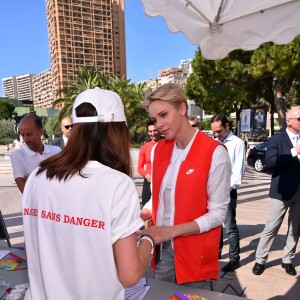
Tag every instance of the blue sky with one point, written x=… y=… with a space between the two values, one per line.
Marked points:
x=150 y=47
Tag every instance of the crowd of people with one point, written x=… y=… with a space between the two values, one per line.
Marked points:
x=85 y=203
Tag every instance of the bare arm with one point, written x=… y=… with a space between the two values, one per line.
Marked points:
x=20 y=181
x=131 y=261
x=161 y=234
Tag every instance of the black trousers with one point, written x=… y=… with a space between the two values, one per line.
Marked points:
x=146 y=193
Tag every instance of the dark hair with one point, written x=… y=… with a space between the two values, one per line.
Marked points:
x=107 y=143
x=150 y=123
x=220 y=117
x=35 y=118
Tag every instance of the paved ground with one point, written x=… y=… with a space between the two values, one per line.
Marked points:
x=252 y=211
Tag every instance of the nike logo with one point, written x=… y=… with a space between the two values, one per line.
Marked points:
x=190 y=171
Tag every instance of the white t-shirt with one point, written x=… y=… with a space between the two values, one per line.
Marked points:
x=70 y=228
x=217 y=188
x=24 y=160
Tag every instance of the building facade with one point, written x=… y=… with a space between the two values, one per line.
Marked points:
x=151 y=84
x=9 y=85
x=85 y=33
x=171 y=75
x=186 y=66
x=18 y=87
x=43 y=91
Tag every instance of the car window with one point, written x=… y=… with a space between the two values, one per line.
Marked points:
x=262 y=146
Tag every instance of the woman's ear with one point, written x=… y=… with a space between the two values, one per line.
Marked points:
x=182 y=108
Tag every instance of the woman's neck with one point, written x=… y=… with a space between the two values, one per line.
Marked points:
x=183 y=140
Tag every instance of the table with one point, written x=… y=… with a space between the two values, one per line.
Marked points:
x=13 y=277
x=161 y=290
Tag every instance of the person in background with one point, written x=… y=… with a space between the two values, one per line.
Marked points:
x=144 y=161
x=66 y=127
x=194 y=121
x=81 y=210
x=282 y=158
x=27 y=158
x=236 y=150
x=190 y=193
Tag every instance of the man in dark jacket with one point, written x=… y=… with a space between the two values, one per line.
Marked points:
x=282 y=157
x=66 y=126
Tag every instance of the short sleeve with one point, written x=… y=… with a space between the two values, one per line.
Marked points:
x=126 y=218
x=18 y=164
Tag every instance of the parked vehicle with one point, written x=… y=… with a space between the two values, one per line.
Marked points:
x=257 y=157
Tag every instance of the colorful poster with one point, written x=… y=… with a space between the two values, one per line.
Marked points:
x=246 y=120
x=13 y=262
x=259 y=119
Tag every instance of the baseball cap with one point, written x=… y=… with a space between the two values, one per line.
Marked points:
x=108 y=105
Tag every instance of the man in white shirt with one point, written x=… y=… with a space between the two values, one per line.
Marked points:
x=236 y=150
x=26 y=159
x=66 y=126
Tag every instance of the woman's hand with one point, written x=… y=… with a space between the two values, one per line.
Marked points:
x=145 y=214
x=159 y=234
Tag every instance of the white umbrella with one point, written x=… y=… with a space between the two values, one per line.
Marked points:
x=220 y=26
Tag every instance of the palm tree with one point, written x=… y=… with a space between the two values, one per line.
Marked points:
x=131 y=94
x=85 y=79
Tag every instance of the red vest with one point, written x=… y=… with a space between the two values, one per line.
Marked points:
x=196 y=256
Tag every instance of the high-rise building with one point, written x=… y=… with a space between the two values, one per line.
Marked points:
x=9 y=85
x=24 y=87
x=18 y=87
x=43 y=92
x=85 y=33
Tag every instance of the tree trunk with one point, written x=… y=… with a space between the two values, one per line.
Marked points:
x=279 y=100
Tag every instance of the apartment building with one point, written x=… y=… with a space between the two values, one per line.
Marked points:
x=151 y=84
x=43 y=92
x=171 y=75
x=18 y=87
x=85 y=33
x=9 y=85
x=186 y=66
x=24 y=87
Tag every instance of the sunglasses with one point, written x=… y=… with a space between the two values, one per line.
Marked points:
x=68 y=126
x=195 y=125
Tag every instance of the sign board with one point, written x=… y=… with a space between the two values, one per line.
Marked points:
x=259 y=119
x=246 y=120
x=3 y=231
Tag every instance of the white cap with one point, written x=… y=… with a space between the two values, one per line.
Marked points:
x=108 y=104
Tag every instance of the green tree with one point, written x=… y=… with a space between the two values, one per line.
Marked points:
x=6 y=109
x=281 y=63
x=85 y=79
x=52 y=126
x=7 y=129
x=224 y=85
x=132 y=95
x=267 y=76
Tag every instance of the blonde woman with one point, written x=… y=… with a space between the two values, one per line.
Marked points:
x=190 y=193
